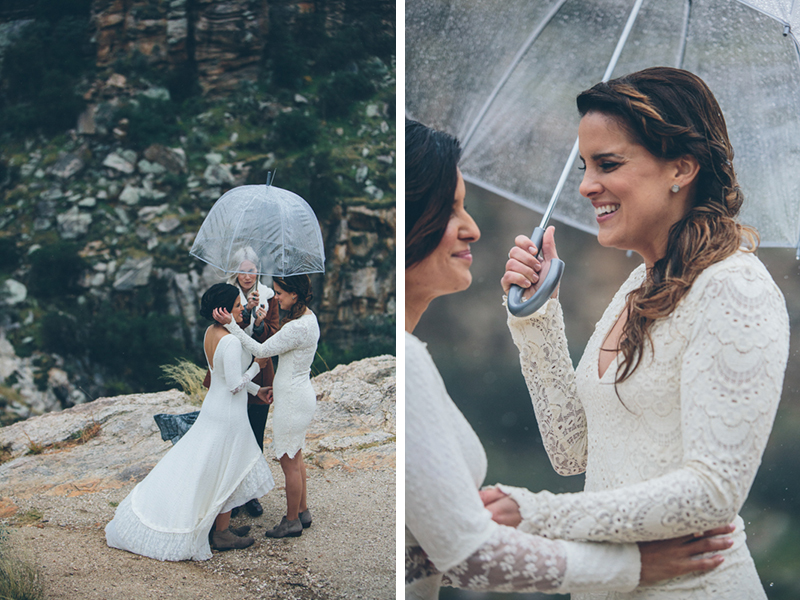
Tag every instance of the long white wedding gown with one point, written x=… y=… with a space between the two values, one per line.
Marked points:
x=215 y=467
x=675 y=448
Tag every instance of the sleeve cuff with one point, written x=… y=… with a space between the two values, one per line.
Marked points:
x=593 y=567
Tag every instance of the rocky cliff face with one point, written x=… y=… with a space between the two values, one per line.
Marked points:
x=223 y=41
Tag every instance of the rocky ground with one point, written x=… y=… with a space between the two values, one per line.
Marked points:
x=58 y=501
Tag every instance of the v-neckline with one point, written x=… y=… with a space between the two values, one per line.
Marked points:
x=600 y=350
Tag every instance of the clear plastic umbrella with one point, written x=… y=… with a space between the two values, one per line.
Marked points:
x=271 y=227
x=503 y=75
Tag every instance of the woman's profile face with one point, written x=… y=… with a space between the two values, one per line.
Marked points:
x=286 y=300
x=446 y=269
x=236 y=311
x=629 y=188
x=248 y=275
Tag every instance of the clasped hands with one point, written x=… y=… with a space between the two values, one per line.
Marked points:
x=660 y=559
x=265 y=393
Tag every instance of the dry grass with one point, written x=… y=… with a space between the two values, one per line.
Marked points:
x=19 y=579
x=189 y=377
x=76 y=439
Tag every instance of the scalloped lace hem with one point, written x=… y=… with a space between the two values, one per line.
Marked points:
x=127 y=532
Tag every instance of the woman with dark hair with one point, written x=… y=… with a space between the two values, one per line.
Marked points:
x=295 y=345
x=671 y=406
x=450 y=536
x=216 y=466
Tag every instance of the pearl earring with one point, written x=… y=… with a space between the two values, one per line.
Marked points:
x=676 y=188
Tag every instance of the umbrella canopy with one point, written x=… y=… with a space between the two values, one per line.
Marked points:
x=503 y=75
x=271 y=227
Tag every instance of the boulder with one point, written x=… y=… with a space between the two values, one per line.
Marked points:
x=67 y=166
x=134 y=272
x=73 y=223
x=354 y=426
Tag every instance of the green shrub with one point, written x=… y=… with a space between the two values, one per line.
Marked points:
x=41 y=69
x=339 y=93
x=55 y=270
x=150 y=121
x=9 y=255
x=296 y=130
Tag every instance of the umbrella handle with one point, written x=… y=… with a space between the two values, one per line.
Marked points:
x=520 y=308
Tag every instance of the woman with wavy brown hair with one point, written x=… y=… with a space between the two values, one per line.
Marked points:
x=295 y=345
x=671 y=406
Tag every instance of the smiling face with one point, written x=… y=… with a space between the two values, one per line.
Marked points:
x=630 y=188
x=446 y=269
x=286 y=300
x=248 y=276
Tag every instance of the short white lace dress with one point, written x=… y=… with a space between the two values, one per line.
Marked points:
x=675 y=448
x=295 y=345
x=215 y=467
x=451 y=538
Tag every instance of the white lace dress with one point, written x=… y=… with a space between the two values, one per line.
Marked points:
x=447 y=527
x=677 y=451
x=216 y=466
x=294 y=403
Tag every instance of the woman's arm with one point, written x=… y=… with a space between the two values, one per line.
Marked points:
x=445 y=515
x=293 y=335
x=545 y=361
x=548 y=372
x=235 y=381
x=731 y=380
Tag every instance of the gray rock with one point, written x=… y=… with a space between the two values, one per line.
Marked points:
x=157 y=93
x=66 y=166
x=373 y=110
x=73 y=223
x=13 y=292
x=172 y=159
x=88 y=202
x=364 y=283
x=374 y=192
x=54 y=193
x=148 y=213
x=361 y=173
x=131 y=194
x=147 y=168
x=86 y=121
x=213 y=158
x=218 y=175
x=118 y=163
x=168 y=224
x=134 y=272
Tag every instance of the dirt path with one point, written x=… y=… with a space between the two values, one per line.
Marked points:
x=348 y=553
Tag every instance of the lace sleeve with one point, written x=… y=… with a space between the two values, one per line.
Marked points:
x=235 y=381
x=511 y=561
x=295 y=334
x=730 y=384
x=550 y=377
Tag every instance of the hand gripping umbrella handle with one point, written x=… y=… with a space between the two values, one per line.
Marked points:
x=520 y=308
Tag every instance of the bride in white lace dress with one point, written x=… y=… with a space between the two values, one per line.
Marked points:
x=215 y=467
x=671 y=406
x=450 y=536
x=295 y=345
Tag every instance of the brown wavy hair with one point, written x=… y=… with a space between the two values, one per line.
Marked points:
x=672 y=113
x=296 y=284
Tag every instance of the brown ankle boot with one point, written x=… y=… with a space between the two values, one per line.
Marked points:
x=226 y=540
